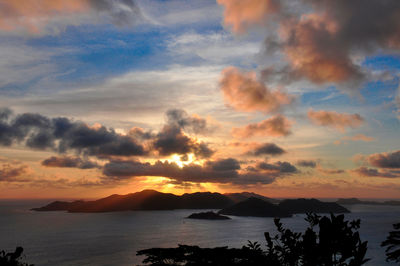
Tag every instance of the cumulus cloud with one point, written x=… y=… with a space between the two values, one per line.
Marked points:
x=180 y=118
x=171 y=140
x=385 y=159
x=240 y=14
x=267 y=149
x=339 y=121
x=62 y=134
x=69 y=162
x=320 y=45
x=371 y=172
x=276 y=126
x=307 y=163
x=244 y=92
x=322 y=41
x=33 y=16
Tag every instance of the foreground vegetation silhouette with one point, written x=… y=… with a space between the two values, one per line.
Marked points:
x=392 y=243
x=336 y=243
x=12 y=258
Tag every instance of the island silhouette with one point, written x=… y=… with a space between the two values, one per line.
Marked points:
x=239 y=204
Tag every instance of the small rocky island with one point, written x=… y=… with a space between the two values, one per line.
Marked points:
x=208 y=216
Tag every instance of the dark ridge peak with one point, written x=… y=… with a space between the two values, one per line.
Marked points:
x=255 y=207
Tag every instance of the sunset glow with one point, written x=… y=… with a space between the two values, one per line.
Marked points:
x=279 y=98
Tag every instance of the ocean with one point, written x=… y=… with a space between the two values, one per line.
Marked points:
x=61 y=239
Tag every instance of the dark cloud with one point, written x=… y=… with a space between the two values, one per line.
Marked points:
x=69 y=162
x=179 y=118
x=280 y=167
x=371 y=172
x=171 y=139
x=12 y=172
x=267 y=149
x=385 y=160
x=307 y=163
x=62 y=135
x=218 y=171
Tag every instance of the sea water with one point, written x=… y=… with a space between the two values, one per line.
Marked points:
x=61 y=238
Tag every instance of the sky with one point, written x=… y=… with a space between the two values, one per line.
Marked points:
x=281 y=98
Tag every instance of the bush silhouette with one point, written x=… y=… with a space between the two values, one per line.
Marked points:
x=337 y=243
x=12 y=258
x=392 y=243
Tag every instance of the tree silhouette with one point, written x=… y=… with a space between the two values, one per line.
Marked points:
x=12 y=258
x=337 y=243
x=392 y=243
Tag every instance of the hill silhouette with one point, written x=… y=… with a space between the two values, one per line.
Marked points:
x=242 y=204
x=311 y=205
x=353 y=201
x=255 y=207
x=144 y=200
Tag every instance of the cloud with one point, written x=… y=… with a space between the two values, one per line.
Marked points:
x=320 y=45
x=267 y=149
x=385 y=159
x=34 y=16
x=276 y=126
x=69 y=162
x=62 y=134
x=171 y=140
x=12 y=172
x=240 y=14
x=371 y=172
x=339 y=121
x=279 y=167
x=307 y=163
x=244 y=92
x=179 y=118
x=321 y=41
x=218 y=171
x=358 y=137
x=330 y=171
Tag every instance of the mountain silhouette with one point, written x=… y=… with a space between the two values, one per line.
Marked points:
x=240 y=204
x=311 y=205
x=144 y=200
x=255 y=207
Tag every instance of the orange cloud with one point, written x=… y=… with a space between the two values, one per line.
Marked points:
x=244 y=92
x=358 y=137
x=276 y=126
x=32 y=15
x=312 y=50
x=335 y=120
x=385 y=159
x=240 y=14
